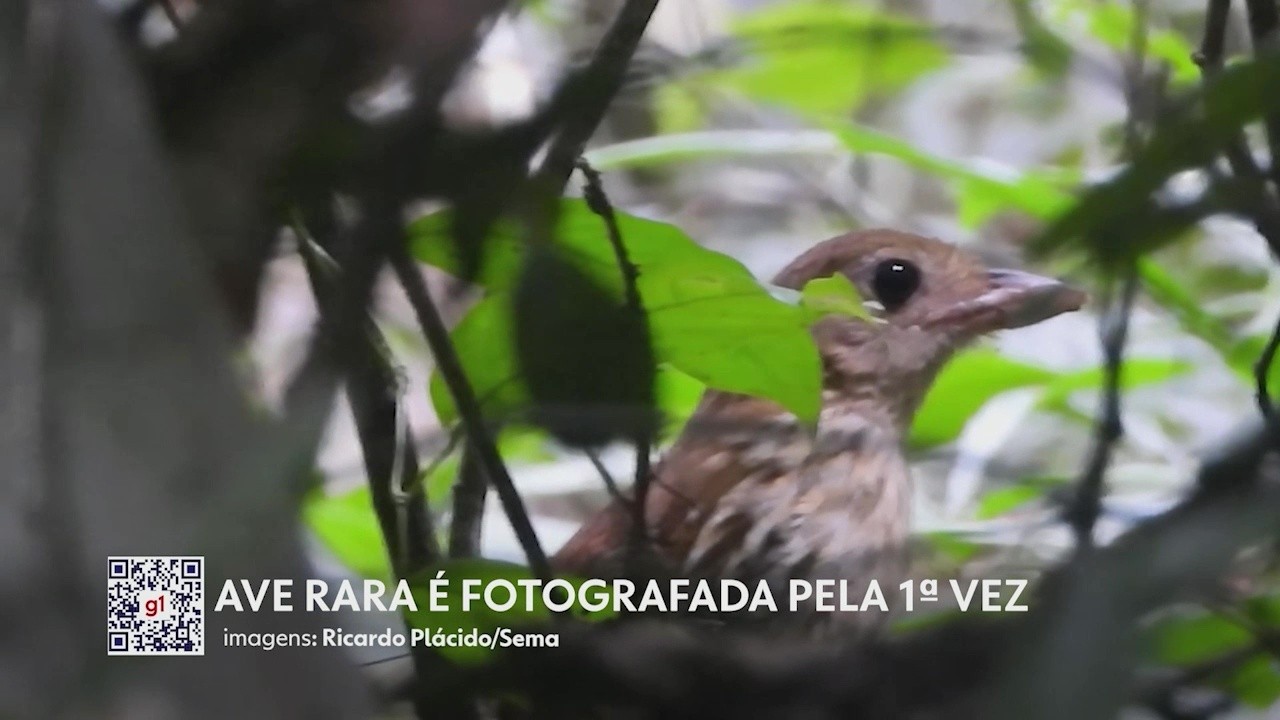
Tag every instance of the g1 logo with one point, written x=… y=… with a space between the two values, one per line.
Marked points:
x=153 y=605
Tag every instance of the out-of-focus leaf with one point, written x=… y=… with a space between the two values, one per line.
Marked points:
x=1118 y=218
x=711 y=145
x=709 y=317
x=676 y=109
x=1002 y=500
x=1239 y=354
x=585 y=355
x=1264 y=610
x=346 y=525
x=980 y=192
x=1043 y=49
x=827 y=57
x=1161 y=286
x=439 y=481
x=1189 y=639
x=1136 y=373
x=1112 y=23
x=834 y=295
x=965 y=385
x=1256 y=682
x=953 y=547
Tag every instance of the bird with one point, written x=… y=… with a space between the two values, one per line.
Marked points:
x=747 y=491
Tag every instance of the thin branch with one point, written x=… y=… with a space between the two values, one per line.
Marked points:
x=1113 y=325
x=1214 y=42
x=373 y=392
x=598 y=201
x=1263 y=23
x=1261 y=376
x=609 y=483
x=479 y=439
x=1086 y=504
x=1263 y=203
x=469 y=494
x=596 y=88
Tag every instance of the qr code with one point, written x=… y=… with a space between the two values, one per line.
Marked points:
x=155 y=605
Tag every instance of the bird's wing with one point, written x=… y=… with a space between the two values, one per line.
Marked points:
x=731 y=439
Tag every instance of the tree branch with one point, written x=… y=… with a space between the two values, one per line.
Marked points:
x=595 y=89
x=598 y=201
x=479 y=438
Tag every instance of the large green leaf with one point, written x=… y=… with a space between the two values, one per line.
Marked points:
x=709 y=317
x=965 y=385
x=827 y=57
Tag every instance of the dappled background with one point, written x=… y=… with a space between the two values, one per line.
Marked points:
x=759 y=128
x=199 y=199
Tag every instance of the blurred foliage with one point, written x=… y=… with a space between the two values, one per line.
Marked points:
x=827 y=57
x=709 y=317
x=820 y=57
x=819 y=65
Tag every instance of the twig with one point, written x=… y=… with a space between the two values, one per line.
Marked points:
x=469 y=494
x=1264 y=205
x=596 y=86
x=1087 y=502
x=1263 y=22
x=598 y=201
x=609 y=483
x=373 y=392
x=391 y=463
x=479 y=439
x=1261 y=376
x=1113 y=326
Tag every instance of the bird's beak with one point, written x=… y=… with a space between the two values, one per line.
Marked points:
x=1014 y=299
x=1019 y=298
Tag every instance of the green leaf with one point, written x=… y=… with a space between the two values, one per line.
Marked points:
x=965 y=385
x=709 y=317
x=827 y=57
x=952 y=546
x=1194 y=638
x=1256 y=682
x=1112 y=23
x=347 y=526
x=979 y=192
x=711 y=145
x=1136 y=372
x=834 y=295
x=1002 y=500
x=439 y=482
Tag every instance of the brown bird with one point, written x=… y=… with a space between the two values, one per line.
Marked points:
x=747 y=492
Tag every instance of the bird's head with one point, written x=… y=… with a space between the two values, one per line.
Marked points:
x=929 y=298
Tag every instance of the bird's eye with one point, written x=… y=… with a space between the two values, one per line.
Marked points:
x=895 y=281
